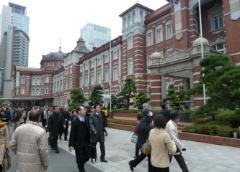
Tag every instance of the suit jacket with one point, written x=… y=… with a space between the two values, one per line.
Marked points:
x=80 y=133
x=96 y=127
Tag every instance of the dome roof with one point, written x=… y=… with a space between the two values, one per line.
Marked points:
x=199 y=40
x=54 y=56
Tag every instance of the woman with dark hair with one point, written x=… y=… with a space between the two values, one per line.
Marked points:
x=161 y=146
x=172 y=130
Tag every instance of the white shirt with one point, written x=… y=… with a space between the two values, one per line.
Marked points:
x=172 y=130
x=81 y=118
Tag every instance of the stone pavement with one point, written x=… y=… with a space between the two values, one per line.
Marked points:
x=200 y=157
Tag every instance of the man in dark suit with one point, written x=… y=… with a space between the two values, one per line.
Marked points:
x=55 y=122
x=80 y=138
x=97 y=130
x=66 y=121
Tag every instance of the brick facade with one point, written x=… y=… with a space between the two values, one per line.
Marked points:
x=157 y=49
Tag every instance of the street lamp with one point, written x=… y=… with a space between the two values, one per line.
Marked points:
x=201 y=36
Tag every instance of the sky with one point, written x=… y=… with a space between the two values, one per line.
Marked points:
x=55 y=20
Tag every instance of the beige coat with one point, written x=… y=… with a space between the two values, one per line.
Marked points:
x=31 y=146
x=162 y=146
x=4 y=141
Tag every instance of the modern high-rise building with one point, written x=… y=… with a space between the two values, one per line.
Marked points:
x=14 y=44
x=15 y=15
x=95 y=35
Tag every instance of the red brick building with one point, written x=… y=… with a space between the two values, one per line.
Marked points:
x=157 y=49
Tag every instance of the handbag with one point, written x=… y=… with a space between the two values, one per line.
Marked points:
x=134 y=138
x=146 y=148
x=6 y=163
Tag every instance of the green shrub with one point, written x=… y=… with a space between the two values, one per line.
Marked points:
x=231 y=118
x=209 y=129
x=126 y=110
x=122 y=122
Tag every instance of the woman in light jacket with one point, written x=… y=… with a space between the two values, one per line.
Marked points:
x=4 y=142
x=161 y=146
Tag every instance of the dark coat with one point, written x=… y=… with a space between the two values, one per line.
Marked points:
x=80 y=134
x=55 y=124
x=96 y=127
x=143 y=130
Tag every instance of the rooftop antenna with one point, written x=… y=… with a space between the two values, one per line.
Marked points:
x=60 y=41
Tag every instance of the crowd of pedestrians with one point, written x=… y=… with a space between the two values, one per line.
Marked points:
x=37 y=128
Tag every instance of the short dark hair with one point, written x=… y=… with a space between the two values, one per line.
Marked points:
x=159 y=121
x=34 y=115
x=95 y=106
x=174 y=115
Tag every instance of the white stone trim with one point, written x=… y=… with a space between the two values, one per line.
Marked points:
x=155 y=100
x=196 y=73
x=195 y=82
x=155 y=86
x=200 y=98
x=156 y=94
x=237 y=64
x=235 y=54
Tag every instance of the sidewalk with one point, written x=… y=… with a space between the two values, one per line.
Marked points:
x=199 y=157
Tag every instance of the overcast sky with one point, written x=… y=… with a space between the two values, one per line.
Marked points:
x=51 y=20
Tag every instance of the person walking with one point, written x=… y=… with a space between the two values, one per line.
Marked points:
x=29 y=141
x=54 y=125
x=161 y=146
x=80 y=138
x=97 y=131
x=136 y=132
x=66 y=115
x=172 y=130
x=4 y=143
x=143 y=132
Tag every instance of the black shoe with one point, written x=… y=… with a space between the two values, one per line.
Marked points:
x=57 y=151
x=103 y=160
x=131 y=166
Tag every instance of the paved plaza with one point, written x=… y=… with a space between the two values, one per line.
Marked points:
x=199 y=157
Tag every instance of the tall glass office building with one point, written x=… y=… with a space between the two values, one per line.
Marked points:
x=95 y=35
x=15 y=15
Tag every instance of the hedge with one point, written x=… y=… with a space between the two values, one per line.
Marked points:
x=210 y=129
x=122 y=122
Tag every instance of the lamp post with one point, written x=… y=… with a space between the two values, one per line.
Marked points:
x=201 y=36
x=110 y=80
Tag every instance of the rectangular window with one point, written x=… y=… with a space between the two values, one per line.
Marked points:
x=46 y=91
x=115 y=73
x=220 y=47
x=106 y=58
x=86 y=80
x=46 y=79
x=149 y=39
x=159 y=35
x=81 y=68
x=99 y=61
x=22 y=80
x=168 y=30
x=22 y=91
x=92 y=78
x=81 y=81
x=130 y=42
x=99 y=79
x=130 y=66
x=106 y=75
x=217 y=22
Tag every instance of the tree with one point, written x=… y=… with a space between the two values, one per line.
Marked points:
x=77 y=98
x=222 y=80
x=97 y=95
x=117 y=101
x=141 y=98
x=177 y=99
x=128 y=91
